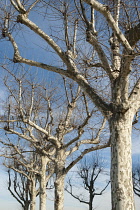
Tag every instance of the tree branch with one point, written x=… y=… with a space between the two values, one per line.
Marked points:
x=134 y=98
x=105 y=11
x=24 y=136
x=92 y=39
x=103 y=189
x=17 y=170
x=104 y=107
x=85 y=152
x=9 y=188
x=74 y=196
x=24 y=20
x=32 y=5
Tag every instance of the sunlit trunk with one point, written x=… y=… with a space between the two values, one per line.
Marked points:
x=59 y=192
x=33 y=195
x=59 y=181
x=121 y=162
x=43 y=195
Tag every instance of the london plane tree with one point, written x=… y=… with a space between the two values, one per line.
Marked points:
x=47 y=132
x=97 y=45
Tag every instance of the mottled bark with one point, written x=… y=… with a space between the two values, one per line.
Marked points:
x=43 y=184
x=119 y=108
x=106 y=13
x=59 y=192
x=121 y=161
x=33 y=195
x=59 y=181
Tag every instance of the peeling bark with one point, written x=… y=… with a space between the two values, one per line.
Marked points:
x=59 y=192
x=33 y=195
x=59 y=181
x=119 y=112
x=43 y=183
x=105 y=11
x=121 y=161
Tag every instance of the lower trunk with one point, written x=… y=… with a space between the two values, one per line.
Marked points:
x=59 y=187
x=91 y=200
x=33 y=195
x=121 y=162
x=26 y=207
x=42 y=194
x=59 y=193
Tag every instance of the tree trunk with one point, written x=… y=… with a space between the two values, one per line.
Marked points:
x=59 y=181
x=121 y=161
x=59 y=192
x=33 y=195
x=26 y=207
x=43 y=194
x=91 y=201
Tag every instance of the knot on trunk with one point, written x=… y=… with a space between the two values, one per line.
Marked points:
x=120 y=194
x=20 y=18
x=90 y=34
x=16 y=58
x=71 y=55
x=4 y=32
x=6 y=128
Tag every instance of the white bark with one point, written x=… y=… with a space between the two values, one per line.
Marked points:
x=121 y=161
x=24 y=20
x=33 y=195
x=43 y=194
x=121 y=111
x=134 y=98
x=105 y=11
x=59 y=180
x=59 y=192
x=59 y=185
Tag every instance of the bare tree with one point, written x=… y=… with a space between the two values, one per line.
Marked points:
x=25 y=162
x=20 y=188
x=54 y=125
x=34 y=171
x=101 y=56
x=89 y=170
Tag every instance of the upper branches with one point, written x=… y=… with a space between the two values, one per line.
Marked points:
x=120 y=66
x=31 y=116
x=72 y=72
x=20 y=8
x=134 y=98
x=91 y=37
x=67 y=57
x=105 y=11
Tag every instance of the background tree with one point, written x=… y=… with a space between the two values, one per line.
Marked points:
x=26 y=166
x=54 y=126
x=136 y=179
x=89 y=170
x=20 y=188
x=107 y=70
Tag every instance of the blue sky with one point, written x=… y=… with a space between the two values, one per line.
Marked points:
x=101 y=202
x=35 y=52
